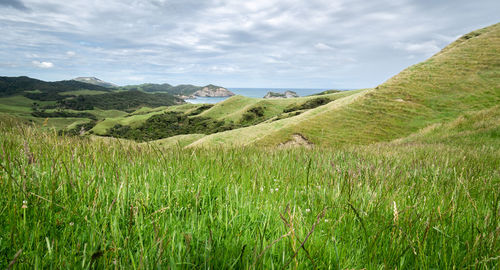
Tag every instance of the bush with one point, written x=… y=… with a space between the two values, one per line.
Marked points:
x=310 y=104
x=170 y=124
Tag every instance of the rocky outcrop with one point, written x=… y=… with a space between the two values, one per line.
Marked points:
x=286 y=94
x=209 y=91
x=213 y=91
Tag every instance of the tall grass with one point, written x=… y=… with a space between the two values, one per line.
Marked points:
x=70 y=202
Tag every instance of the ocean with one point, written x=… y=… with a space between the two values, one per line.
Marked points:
x=255 y=93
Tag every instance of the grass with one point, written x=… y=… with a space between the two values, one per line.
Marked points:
x=250 y=135
x=138 y=117
x=19 y=105
x=84 y=92
x=233 y=109
x=94 y=203
x=176 y=141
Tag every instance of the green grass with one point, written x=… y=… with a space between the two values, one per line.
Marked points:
x=138 y=117
x=175 y=141
x=19 y=105
x=477 y=128
x=251 y=135
x=95 y=203
x=82 y=93
x=233 y=109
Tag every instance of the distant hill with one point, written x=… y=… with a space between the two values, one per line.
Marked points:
x=95 y=81
x=182 y=90
x=123 y=101
x=41 y=90
x=78 y=95
x=463 y=78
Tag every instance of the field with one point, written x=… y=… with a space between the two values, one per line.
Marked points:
x=401 y=176
x=71 y=202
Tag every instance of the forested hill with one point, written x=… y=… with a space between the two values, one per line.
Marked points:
x=10 y=86
x=77 y=95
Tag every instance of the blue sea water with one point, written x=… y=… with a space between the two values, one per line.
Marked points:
x=255 y=93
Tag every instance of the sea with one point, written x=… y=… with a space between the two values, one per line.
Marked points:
x=255 y=93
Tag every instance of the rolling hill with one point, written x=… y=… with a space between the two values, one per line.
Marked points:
x=68 y=104
x=464 y=77
x=42 y=90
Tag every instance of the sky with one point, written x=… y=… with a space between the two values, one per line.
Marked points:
x=326 y=44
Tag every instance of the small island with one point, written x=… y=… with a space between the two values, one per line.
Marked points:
x=209 y=91
x=286 y=94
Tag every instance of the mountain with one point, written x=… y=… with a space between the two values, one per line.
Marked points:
x=463 y=78
x=95 y=81
x=42 y=90
x=183 y=90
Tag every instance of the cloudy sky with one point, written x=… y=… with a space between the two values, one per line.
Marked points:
x=342 y=44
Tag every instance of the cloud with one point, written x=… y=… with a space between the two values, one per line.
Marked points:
x=42 y=64
x=426 y=47
x=13 y=4
x=322 y=46
x=255 y=43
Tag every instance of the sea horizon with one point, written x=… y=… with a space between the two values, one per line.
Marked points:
x=256 y=93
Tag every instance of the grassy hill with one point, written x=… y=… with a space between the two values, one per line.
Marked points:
x=234 y=108
x=233 y=113
x=68 y=104
x=463 y=77
x=41 y=90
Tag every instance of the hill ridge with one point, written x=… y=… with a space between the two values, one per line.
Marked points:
x=464 y=76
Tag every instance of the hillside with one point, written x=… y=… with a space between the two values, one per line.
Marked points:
x=234 y=113
x=463 y=77
x=42 y=90
x=68 y=105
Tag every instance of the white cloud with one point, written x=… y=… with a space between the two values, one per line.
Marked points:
x=322 y=46
x=233 y=42
x=42 y=64
x=426 y=47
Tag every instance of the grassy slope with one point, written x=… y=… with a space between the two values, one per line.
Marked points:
x=83 y=92
x=112 y=203
x=140 y=116
x=475 y=128
x=465 y=76
x=19 y=105
x=178 y=141
x=232 y=109
x=249 y=135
